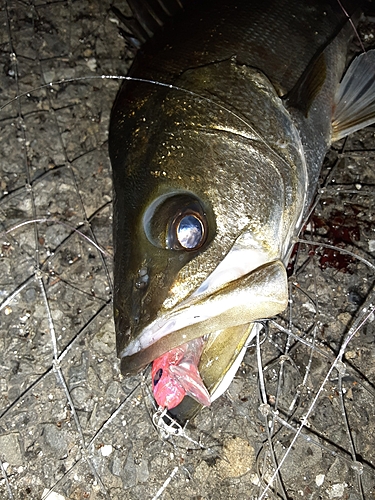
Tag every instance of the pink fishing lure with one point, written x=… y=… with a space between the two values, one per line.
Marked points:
x=175 y=375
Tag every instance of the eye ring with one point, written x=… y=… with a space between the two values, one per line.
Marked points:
x=179 y=221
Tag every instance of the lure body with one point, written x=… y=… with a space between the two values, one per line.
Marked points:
x=175 y=374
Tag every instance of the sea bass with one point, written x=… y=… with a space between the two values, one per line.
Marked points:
x=216 y=142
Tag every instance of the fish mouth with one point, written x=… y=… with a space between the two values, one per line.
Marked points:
x=222 y=316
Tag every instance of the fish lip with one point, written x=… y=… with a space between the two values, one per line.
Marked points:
x=136 y=343
x=246 y=255
x=191 y=321
x=168 y=327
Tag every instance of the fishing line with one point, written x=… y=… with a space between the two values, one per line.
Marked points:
x=47 y=220
x=366 y=312
x=352 y=25
x=156 y=83
x=338 y=249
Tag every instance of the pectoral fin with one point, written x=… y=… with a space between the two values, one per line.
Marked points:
x=189 y=378
x=355 y=98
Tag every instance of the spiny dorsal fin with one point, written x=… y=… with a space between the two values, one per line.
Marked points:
x=355 y=97
x=149 y=16
x=308 y=86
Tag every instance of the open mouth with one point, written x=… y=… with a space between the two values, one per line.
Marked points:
x=259 y=294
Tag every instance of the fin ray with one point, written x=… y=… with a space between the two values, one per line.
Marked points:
x=355 y=98
x=149 y=17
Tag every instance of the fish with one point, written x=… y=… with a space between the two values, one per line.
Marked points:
x=216 y=139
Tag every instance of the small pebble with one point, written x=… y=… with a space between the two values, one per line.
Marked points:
x=106 y=450
x=52 y=495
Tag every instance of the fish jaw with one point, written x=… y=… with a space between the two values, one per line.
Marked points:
x=175 y=374
x=261 y=293
x=222 y=311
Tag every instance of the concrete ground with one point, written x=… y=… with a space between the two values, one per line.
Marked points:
x=71 y=427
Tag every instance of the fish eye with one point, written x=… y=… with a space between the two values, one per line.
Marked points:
x=179 y=221
x=158 y=375
x=188 y=232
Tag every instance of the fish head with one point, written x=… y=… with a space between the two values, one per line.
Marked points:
x=163 y=218
x=202 y=223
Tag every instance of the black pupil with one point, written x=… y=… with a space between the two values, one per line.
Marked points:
x=190 y=232
x=158 y=375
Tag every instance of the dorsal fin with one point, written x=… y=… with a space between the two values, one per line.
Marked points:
x=149 y=16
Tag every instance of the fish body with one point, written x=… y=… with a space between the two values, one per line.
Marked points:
x=216 y=145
